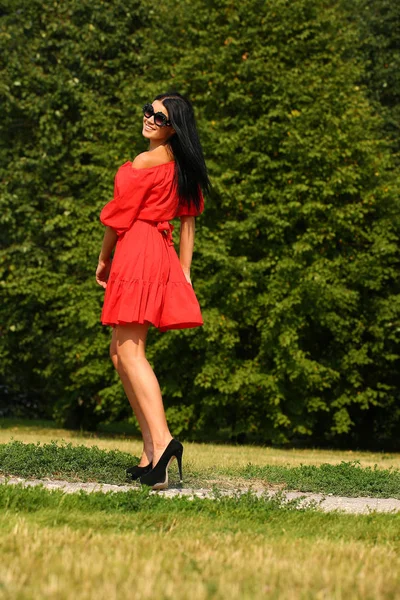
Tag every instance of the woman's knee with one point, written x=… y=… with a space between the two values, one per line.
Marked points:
x=127 y=356
x=130 y=343
x=130 y=355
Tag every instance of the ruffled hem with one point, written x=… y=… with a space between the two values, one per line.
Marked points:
x=171 y=305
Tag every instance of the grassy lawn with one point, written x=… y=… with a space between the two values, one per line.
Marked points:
x=141 y=545
x=145 y=546
x=42 y=451
x=203 y=456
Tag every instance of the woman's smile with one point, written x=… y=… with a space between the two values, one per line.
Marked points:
x=156 y=127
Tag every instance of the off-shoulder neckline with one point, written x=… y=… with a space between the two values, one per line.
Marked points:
x=170 y=162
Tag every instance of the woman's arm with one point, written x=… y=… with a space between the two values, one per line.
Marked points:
x=103 y=268
x=186 y=244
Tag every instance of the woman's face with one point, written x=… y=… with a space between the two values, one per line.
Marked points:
x=151 y=131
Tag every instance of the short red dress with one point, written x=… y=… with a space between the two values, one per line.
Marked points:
x=146 y=282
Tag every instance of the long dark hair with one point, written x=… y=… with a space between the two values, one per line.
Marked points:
x=190 y=167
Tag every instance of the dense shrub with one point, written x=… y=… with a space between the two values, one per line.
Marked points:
x=296 y=263
x=378 y=22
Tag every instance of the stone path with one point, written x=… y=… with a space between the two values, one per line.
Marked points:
x=327 y=503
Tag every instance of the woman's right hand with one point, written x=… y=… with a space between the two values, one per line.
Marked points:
x=102 y=272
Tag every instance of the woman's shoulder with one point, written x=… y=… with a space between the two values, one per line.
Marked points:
x=151 y=160
x=143 y=173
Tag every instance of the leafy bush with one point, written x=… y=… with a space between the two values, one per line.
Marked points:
x=297 y=254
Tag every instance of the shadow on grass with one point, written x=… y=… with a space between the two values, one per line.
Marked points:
x=11 y=423
x=120 y=430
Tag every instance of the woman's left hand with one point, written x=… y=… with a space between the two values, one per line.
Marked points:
x=186 y=272
x=102 y=272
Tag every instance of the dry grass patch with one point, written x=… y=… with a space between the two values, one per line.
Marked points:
x=42 y=562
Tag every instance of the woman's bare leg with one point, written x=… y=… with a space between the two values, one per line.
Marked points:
x=132 y=362
x=147 y=453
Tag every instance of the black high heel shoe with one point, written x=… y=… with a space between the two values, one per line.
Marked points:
x=157 y=478
x=134 y=473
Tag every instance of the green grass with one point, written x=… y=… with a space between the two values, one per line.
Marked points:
x=201 y=457
x=64 y=461
x=345 y=479
x=74 y=462
x=141 y=545
x=246 y=513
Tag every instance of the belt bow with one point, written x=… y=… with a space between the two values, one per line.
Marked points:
x=167 y=228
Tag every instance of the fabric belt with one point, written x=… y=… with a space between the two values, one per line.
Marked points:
x=167 y=228
x=164 y=227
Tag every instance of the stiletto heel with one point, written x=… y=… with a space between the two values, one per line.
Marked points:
x=179 y=461
x=157 y=478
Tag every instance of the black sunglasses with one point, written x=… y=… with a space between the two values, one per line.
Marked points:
x=159 y=118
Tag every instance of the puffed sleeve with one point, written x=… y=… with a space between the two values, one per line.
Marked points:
x=185 y=211
x=131 y=188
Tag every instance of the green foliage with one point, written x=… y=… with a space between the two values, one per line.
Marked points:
x=61 y=90
x=297 y=254
x=379 y=25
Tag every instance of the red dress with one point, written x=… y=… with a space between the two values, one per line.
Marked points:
x=146 y=282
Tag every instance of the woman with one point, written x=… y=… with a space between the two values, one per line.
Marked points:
x=147 y=283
